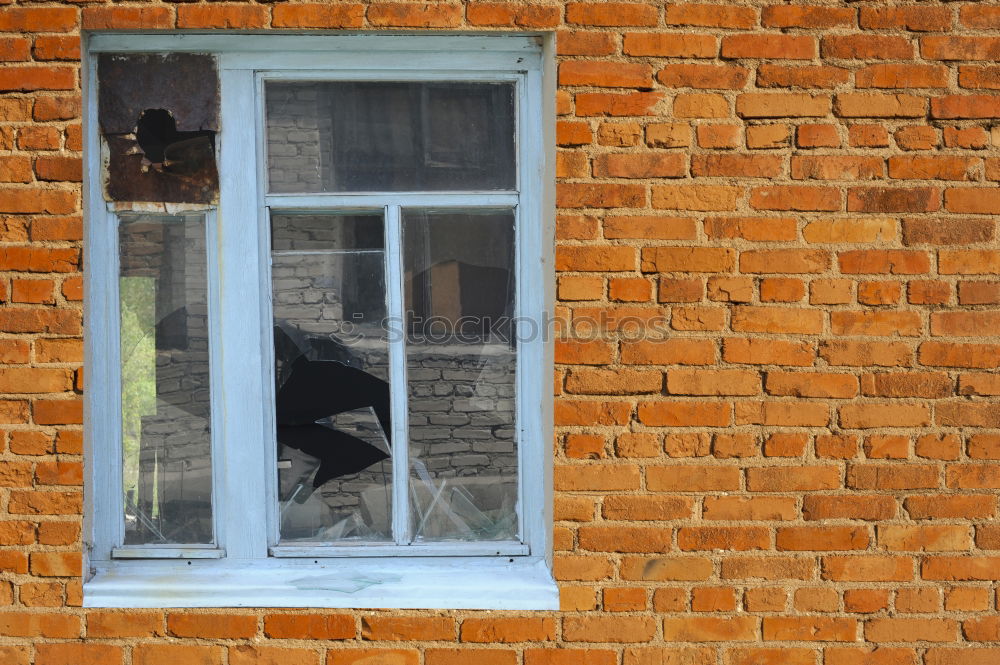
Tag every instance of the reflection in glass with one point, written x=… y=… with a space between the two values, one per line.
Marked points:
x=166 y=436
x=461 y=370
x=331 y=371
x=352 y=136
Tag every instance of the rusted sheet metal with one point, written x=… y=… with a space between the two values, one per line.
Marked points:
x=186 y=84
x=131 y=177
x=159 y=114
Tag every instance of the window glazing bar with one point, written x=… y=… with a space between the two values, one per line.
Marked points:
x=397 y=375
x=347 y=202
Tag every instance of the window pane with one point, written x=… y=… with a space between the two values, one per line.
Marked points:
x=388 y=136
x=331 y=371
x=461 y=370
x=166 y=413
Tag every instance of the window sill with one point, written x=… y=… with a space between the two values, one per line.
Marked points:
x=513 y=583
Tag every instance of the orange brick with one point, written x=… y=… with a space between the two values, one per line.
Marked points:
x=507 y=630
x=225 y=626
x=310 y=626
x=611 y=14
x=624 y=599
x=169 y=654
x=710 y=629
x=609 y=629
x=74 y=654
x=460 y=656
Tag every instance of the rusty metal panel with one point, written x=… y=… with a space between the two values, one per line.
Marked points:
x=159 y=115
x=131 y=177
x=186 y=84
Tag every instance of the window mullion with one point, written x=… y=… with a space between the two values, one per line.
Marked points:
x=238 y=415
x=397 y=375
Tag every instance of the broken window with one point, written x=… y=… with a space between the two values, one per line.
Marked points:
x=308 y=326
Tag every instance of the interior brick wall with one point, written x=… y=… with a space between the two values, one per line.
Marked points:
x=799 y=468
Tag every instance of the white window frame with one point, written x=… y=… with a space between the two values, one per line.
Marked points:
x=246 y=567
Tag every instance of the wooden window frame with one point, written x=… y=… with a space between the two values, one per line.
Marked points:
x=246 y=566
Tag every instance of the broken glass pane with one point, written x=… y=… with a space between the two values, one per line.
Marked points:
x=166 y=435
x=331 y=372
x=351 y=136
x=461 y=373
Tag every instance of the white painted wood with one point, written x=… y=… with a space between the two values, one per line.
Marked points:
x=103 y=513
x=496 y=583
x=242 y=512
x=349 y=202
x=271 y=488
x=300 y=72
x=398 y=402
x=276 y=46
x=543 y=102
x=215 y=371
x=535 y=435
x=153 y=552
x=446 y=549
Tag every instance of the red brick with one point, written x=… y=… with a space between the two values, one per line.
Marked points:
x=605 y=74
x=629 y=165
x=684 y=414
x=796 y=197
x=911 y=630
x=879 y=105
x=868 y=136
x=617 y=104
x=596 y=195
x=710 y=16
x=866 y=47
x=767 y=352
x=823 y=629
x=309 y=626
x=224 y=626
x=873 y=508
x=168 y=654
x=609 y=629
x=793 y=479
x=709 y=77
x=902 y=76
x=710 y=629
x=507 y=14
x=892 y=476
x=310 y=15
x=912 y=17
x=769 y=46
x=414 y=15
x=128 y=18
x=777 y=320
x=570 y=657
x=811 y=16
x=77 y=654
x=670 y=45
x=585 y=42
x=611 y=14
x=222 y=15
x=38 y=19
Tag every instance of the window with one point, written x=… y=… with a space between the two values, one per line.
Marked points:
x=317 y=290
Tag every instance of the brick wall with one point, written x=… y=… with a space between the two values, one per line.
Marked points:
x=798 y=468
